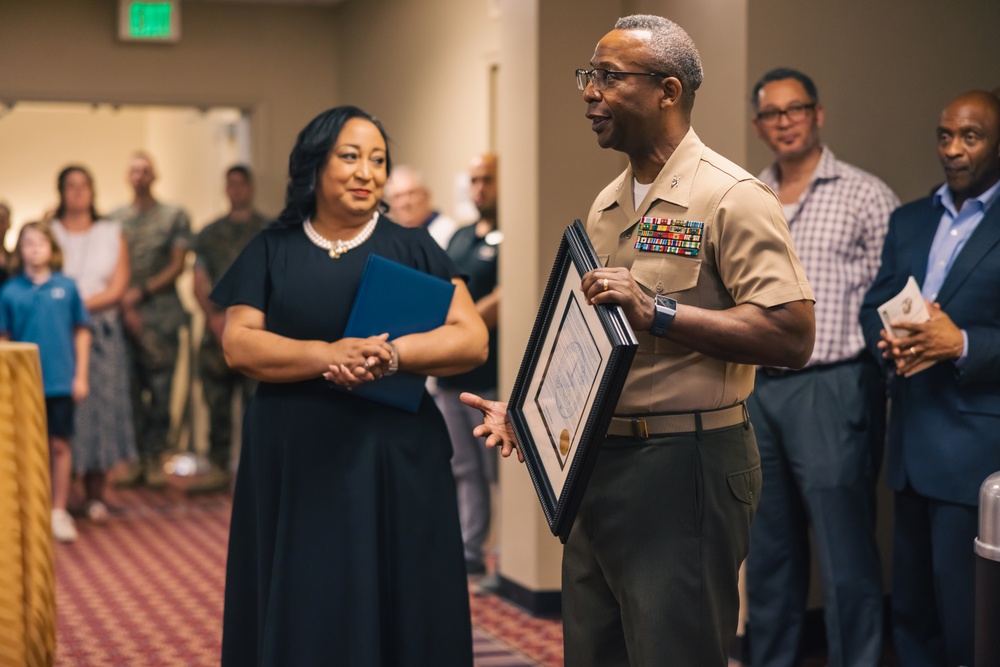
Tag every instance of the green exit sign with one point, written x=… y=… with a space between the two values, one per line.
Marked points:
x=152 y=21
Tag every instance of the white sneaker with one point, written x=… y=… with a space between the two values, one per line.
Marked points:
x=63 y=527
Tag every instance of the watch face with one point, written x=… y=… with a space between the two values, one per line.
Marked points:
x=666 y=308
x=666 y=302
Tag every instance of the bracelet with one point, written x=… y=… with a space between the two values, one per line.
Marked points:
x=393 y=362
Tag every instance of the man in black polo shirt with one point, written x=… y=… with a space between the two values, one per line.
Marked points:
x=474 y=249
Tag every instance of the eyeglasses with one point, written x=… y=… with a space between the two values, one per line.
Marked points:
x=795 y=114
x=600 y=77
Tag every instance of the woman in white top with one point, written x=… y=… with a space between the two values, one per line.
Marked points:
x=96 y=257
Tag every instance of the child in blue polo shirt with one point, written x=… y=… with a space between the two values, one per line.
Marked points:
x=40 y=305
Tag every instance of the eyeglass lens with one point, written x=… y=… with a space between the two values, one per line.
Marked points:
x=794 y=113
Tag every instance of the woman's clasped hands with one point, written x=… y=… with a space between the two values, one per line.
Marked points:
x=359 y=360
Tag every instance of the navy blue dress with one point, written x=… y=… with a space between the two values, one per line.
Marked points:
x=345 y=546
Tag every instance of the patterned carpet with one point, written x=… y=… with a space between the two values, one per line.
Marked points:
x=146 y=589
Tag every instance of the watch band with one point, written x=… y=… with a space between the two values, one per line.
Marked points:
x=393 y=362
x=663 y=317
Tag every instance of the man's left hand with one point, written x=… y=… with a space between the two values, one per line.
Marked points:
x=615 y=284
x=936 y=339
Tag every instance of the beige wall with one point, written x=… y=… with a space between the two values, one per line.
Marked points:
x=280 y=63
x=423 y=68
x=884 y=71
x=719 y=28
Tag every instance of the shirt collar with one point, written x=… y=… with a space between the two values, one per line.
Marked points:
x=673 y=183
x=943 y=197
x=828 y=168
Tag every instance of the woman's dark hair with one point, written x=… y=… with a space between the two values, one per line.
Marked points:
x=61 y=185
x=310 y=155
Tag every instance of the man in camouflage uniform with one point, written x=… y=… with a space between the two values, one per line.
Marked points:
x=216 y=247
x=157 y=236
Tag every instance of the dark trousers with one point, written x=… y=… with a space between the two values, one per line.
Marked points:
x=152 y=360
x=650 y=568
x=218 y=382
x=821 y=437
x=933 y=582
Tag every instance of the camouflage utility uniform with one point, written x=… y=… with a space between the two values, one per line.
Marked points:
x=151 y=236
x=216 y=247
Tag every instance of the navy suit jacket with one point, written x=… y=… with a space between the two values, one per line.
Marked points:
x=944 y=429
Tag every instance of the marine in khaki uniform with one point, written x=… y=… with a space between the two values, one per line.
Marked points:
x=157 y=236
x=216 y=247
x=697 y=253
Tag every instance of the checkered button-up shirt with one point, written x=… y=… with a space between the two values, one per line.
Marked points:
x=838 y=230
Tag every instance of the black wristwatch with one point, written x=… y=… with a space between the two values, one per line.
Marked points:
x=666 y=308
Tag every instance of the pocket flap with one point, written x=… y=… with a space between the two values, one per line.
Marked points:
x=665 y=274
x=745 y=484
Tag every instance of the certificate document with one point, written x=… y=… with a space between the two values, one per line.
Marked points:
x=570 y=377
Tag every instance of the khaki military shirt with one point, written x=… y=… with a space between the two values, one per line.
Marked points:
x=219 y=244
x=744 y=255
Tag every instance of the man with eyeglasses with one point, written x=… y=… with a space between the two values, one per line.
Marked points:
x=698 y=255
x=820 y=429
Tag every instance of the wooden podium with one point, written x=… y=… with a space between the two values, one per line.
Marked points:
x=27 y=571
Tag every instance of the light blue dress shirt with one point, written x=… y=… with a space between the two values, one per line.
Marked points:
x=952 y=233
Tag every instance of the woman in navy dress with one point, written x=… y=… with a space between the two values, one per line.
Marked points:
x=345 y=546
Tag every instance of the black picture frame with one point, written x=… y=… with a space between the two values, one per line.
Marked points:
x=572 y=373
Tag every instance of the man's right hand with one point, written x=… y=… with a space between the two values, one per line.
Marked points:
x=496 y=428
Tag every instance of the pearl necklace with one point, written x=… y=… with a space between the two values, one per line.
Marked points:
x=338 y=247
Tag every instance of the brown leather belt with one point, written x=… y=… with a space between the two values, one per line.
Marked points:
x=687 y=422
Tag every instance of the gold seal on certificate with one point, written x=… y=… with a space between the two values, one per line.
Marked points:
x=564 y=443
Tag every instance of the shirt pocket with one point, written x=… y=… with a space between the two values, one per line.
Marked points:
x=663 y=273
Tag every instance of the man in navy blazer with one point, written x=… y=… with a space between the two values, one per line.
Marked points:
x=944 y=431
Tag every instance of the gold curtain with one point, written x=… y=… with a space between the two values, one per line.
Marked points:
x=27 y=572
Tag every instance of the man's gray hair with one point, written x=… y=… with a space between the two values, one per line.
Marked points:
x=672 y=49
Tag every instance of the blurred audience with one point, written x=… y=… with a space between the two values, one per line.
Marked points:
x=157 y=236
x=410 y=205
x=95 y=256
x=41 y=305
x=474 y=250
x=216 y=247
x=4 y=228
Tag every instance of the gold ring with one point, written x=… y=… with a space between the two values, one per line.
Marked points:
x=605 y=284
x=913 y=351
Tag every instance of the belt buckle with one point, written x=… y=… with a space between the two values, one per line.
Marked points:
x=640 y=428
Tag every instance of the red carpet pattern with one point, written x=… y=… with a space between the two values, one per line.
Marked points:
x=146 y=589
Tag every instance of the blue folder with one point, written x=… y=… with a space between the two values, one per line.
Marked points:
x=398 y=300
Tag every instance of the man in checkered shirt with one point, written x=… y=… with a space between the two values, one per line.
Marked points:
x=821 y=429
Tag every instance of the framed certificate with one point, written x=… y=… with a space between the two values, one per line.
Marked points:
x=570 y=377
